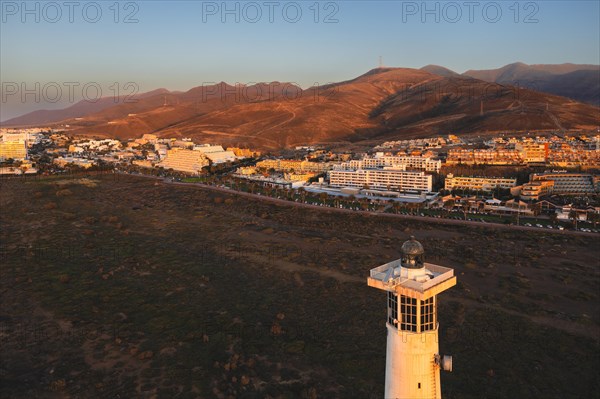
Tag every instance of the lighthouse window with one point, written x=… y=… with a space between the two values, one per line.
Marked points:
x=392 y=309
x=428 y=314
x=408 y=309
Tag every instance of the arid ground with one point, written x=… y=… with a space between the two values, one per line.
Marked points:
x=121 y=287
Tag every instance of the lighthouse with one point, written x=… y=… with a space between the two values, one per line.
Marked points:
x=412 y=361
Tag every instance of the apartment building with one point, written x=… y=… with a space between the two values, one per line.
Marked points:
x=244 y=152
x=566 y=156
x=380 y=160
x=299 y=177
x=484 y=156
x=533 y=152
x=434 y=142
x=287 y=165
x=14 y=149
x=478 y=183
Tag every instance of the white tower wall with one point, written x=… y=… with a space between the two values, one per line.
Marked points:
x=409 y=362
x=413 y=363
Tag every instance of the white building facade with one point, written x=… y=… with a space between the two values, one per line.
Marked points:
x=215 y=153
x=388 y=178
x=399 y=162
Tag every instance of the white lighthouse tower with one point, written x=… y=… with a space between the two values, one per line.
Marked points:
x=413 y=363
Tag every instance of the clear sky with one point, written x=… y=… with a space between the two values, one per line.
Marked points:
x=181 y=44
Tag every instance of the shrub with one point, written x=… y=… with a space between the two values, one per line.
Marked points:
x=64 y=193
x=50 y=205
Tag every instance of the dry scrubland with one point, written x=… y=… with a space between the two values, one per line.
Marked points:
x=124 y=287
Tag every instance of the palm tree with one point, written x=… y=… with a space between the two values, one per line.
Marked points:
x=449 y=204
x=302 y=193
x=465 y=208
x=594 y=218
x=573 y=216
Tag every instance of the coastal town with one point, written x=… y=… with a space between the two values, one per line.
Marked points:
x=300 y=200
x=548 y=180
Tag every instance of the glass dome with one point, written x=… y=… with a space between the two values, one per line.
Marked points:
x=412 y=254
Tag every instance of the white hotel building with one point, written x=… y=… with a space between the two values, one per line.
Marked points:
x=183 y=160
x=387 y=178
x=386 y=172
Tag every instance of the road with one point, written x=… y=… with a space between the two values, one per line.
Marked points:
x=378 y=214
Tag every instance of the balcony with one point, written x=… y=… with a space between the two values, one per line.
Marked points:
x=387 y=277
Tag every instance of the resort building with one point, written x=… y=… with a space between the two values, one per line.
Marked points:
x=533 y=152
x=183 y=160
x=387 y=178
x=541 y=184
x=535 y=190
x=478 y=183
x=567 y=183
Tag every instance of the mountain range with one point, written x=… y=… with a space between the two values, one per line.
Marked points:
x=382 y=104
x=579 y=82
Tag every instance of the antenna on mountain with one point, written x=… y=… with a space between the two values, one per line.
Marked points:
x=380 y=62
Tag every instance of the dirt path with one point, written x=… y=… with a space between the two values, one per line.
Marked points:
x=292 y=267
x=589 y=331
x=291 y=118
